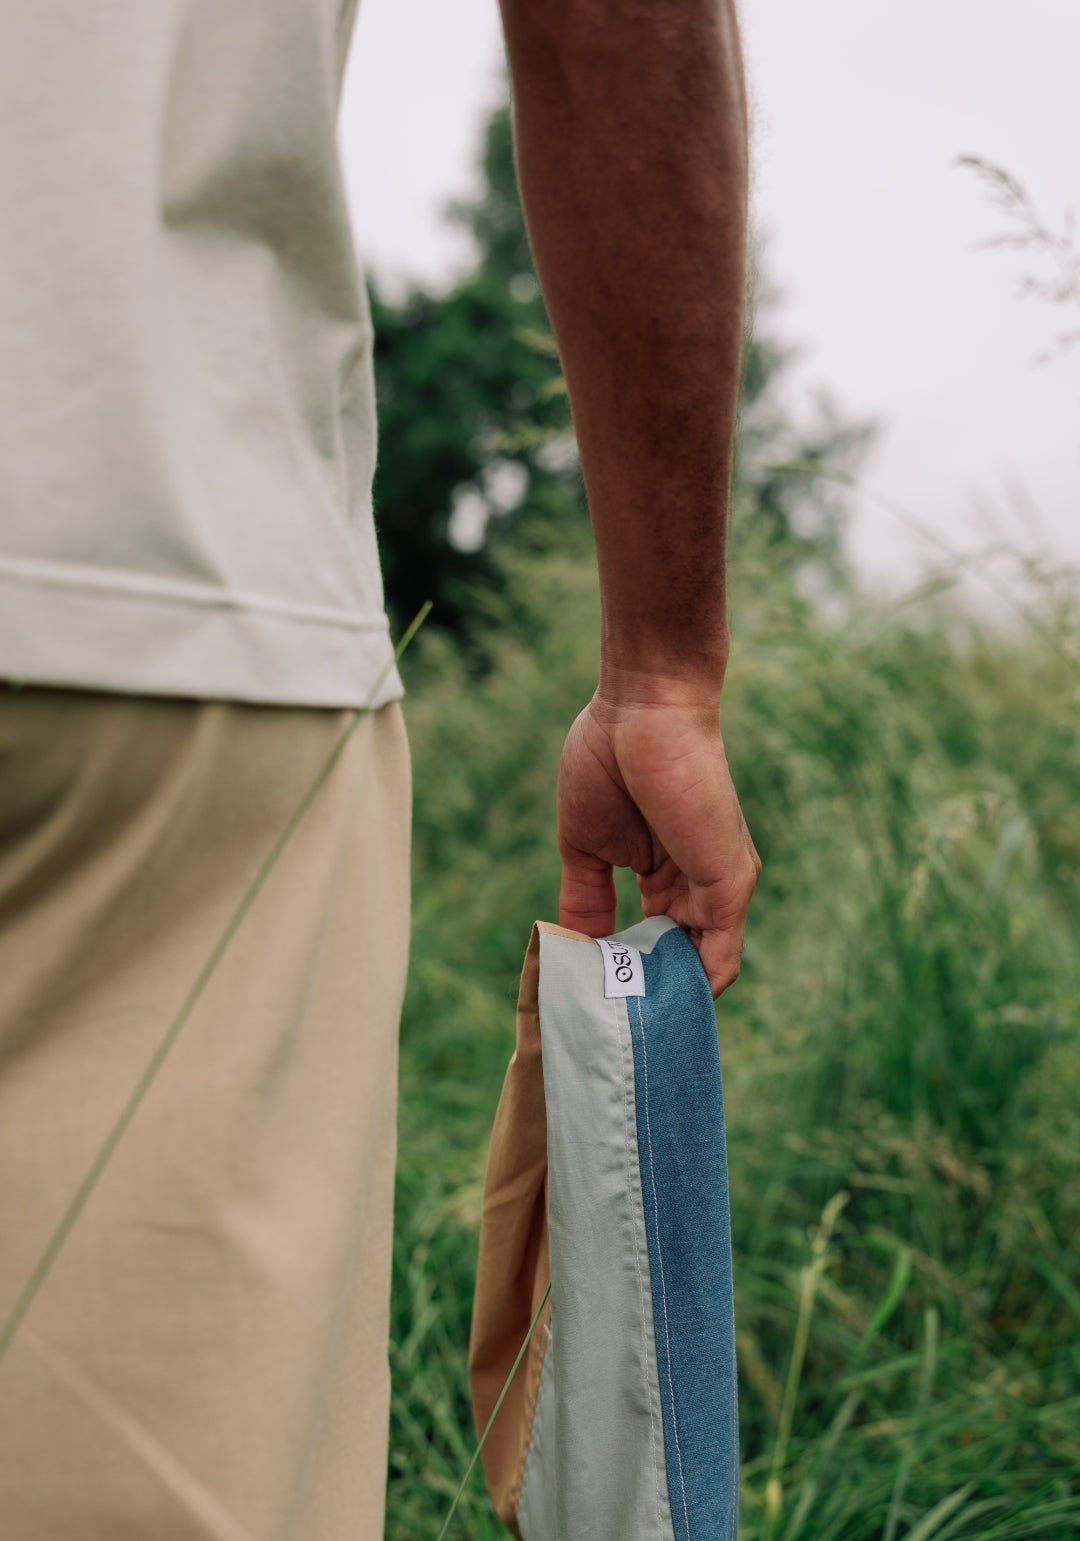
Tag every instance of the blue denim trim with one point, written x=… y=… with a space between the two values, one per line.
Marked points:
x=683 y=1157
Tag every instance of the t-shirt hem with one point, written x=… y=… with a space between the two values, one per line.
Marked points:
x=138 y=643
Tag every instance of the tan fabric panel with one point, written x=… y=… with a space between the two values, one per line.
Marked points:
x=207 y=1361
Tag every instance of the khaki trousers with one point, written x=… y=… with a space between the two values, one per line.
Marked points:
x=208 y=1357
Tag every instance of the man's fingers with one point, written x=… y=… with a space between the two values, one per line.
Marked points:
x=721 y=954
x=587 y=895
x=712 y=914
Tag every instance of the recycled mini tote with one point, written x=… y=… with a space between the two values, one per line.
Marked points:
x=608 y=1176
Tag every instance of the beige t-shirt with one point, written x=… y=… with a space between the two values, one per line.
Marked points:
x=187 y=426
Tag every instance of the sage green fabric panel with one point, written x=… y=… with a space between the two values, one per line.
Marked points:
x=538 y=1505
x=595 y=1469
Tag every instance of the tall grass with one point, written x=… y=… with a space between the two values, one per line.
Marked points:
x=900 y=1053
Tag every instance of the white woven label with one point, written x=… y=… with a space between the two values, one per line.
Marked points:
x=623 y=973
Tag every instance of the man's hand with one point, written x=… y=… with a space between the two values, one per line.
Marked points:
x=631 y=135
x=647 y=786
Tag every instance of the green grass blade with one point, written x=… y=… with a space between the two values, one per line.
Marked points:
x=811 y=1275
x=1059 y=1283
x=926 y=1381
x=962 y=1522
x=933 y=1521
x=66 y=1224
x=812 y=1484
x=891 y=1299
x=494 y=1414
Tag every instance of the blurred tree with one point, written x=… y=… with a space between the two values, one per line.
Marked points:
x=473 y=419
x=476 y=450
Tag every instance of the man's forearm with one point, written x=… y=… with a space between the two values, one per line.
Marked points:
x=630 y=126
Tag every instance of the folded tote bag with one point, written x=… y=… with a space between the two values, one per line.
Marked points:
x=608 y=1176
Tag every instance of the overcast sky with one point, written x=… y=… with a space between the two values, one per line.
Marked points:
x=861 y=108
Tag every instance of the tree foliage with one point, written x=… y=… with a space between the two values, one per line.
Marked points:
x=470 y=402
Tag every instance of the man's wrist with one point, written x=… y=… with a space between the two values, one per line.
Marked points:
x=691 y=684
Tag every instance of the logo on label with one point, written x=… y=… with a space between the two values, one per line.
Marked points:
x=623 y=971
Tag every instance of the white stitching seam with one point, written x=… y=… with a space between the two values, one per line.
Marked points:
x=660 y=1258
x=630 y=1122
